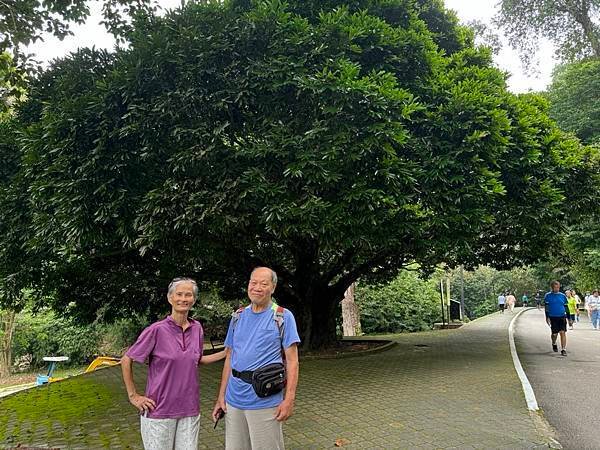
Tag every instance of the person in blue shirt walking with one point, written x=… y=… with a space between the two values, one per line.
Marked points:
x=258 y=337
x=557 y=311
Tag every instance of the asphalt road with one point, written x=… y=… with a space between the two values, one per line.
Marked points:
x=567 y=388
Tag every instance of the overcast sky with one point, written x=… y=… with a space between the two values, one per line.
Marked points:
x=93 y=34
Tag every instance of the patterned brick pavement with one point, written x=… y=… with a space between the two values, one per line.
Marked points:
x=442 y=389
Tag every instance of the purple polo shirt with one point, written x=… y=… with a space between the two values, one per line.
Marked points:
x=173 y=356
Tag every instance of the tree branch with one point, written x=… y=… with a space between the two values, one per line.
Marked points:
x=343 y=261
x=346 y=280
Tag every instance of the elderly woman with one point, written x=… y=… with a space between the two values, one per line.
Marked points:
x=170 y=406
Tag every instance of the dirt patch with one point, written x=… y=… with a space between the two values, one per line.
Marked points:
x=20 y=378
x=344 y=348
x=30 y=376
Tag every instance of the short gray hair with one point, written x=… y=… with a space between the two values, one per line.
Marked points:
x=273 y=274
x=173 y=284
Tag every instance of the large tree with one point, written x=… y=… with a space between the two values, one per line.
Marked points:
x=328 y=140
x=571 y=25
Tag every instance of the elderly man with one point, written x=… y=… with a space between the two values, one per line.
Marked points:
x=261 y=343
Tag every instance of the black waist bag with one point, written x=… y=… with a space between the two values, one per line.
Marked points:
x=268 y=380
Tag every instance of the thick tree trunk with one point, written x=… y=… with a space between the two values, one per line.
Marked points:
x=350 y=314
x=7 y=327
x=322 y=332
x=316 y=309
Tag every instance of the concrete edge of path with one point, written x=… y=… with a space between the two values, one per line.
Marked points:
x=542 y=426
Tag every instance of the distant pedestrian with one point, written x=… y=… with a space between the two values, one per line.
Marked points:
x=501 y=303
x=593 y=309
x=577 y=303
x=557 y=309
x=511 y=300
x=538 y=300
x=525 y=300
x=572 y=305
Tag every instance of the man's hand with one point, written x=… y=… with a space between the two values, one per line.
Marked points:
x=548 y=322
x=142 y=403
x=284 y=410
x=219 y=405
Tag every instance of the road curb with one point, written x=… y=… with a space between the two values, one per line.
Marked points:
x=545 y=430
x=543 y=427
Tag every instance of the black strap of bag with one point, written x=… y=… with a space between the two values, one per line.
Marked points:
x=266 y=381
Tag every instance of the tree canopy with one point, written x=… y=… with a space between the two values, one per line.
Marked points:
x=575 y=99
x=330 y=141
x=571 y=25
x=24 y=22
x=575 y=104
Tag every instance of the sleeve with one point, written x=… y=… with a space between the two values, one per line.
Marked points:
x=229 y=338
x=546 y=305
x=144 y=345
x=290 y=330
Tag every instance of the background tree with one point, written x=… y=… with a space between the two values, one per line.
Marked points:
x=572 y=25
x=13 y=84
x=9 y=297
x=575 y=104
x=583 y=244
x=575 y=99
x=25 y=22
x=483 y=285
x=486 y=35
x=329 y=141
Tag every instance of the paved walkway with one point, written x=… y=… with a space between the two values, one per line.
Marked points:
x=566 y=387
x=443 y=389
x=12 y=389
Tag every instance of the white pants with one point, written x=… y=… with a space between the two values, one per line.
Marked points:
x=170 y=434
x=252 y=429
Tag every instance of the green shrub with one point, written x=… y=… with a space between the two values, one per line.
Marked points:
x=408 y=303
x=116 y=337
x=483 y=285
x=80 y=344
x=214 y=313
x=43 y=334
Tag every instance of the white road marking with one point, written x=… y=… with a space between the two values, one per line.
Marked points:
x=532 y=404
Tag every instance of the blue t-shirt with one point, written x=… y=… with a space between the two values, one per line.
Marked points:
x=556 y=304
x=254 y=343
